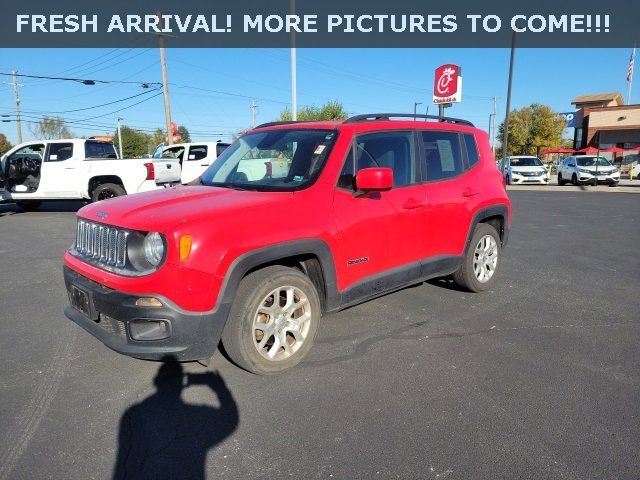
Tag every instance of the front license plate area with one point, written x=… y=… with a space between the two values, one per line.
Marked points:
x=81 y=301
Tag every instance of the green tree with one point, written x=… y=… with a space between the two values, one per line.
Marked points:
x=51 y=128
x=5 y=144
x=184 y=133
x=332 y=110
x=531 y=129
x=155 y=139
x=134 y=142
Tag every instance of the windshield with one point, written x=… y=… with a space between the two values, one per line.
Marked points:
x=275 y=160
x=592 y=161
x=99 y=150
x=525 y=162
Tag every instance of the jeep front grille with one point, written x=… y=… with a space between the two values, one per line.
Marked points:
x=101 y=243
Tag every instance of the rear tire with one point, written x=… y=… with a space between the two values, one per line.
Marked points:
x=29 y=205
x=561 y=182
x=106 y=191
x=264 y=317
x=481 y=260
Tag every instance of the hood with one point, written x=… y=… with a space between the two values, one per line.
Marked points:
x=162 y=209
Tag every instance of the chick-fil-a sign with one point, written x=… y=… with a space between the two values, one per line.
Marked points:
x=447 y=86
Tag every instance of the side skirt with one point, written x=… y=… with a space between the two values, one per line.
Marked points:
x=398 y=278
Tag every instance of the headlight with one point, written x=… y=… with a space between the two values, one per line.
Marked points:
x=153 y=248
x=584 y=170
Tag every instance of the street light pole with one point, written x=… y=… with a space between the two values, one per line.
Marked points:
x=415 y=110
x=120 y=138
x=505 y=138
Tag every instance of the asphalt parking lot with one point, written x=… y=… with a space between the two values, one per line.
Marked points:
x=536 y=379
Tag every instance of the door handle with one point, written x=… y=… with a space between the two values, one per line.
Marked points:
x=204 y=164
x=469 y=192
x=412 y=203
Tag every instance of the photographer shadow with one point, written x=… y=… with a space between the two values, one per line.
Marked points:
x=164 y=437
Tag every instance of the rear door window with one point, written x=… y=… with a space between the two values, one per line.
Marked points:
x=393 y=150
x=442 y=155
x=59 y=152
x=197 y=152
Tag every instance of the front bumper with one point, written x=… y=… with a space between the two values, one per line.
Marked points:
x=589 y=178
x=520 y=179
x=193 y=335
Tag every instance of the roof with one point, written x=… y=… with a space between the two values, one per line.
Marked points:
x=598 y=98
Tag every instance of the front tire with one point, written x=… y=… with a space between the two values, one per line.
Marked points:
x=106 y=191
x=613 y=184
x=273 y=320
x=481 y=260
x=574 y=179
x=561 y=182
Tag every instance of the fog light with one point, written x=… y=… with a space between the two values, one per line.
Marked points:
x=148 y=302
x=145 y=329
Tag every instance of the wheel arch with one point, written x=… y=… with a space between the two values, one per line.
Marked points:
x=496 y=216
x=96 y=181
x=311 y=256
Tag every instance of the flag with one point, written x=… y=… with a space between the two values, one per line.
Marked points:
x=630 y=67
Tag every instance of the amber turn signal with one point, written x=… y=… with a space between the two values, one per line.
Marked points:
x=185 y=246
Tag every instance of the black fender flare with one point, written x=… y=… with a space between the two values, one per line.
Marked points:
x=499 y=210
x=266 y=255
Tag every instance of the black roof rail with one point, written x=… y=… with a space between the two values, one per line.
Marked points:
x=388 y=116
x=271 y=124
x=290 y=122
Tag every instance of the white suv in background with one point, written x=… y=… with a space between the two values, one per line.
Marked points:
x=585 y=168
x=525 y=169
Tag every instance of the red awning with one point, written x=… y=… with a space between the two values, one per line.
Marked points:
x=588 y=150
x=557 y=150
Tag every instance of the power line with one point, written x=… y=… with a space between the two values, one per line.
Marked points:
x=94 y=106
x=85 y=81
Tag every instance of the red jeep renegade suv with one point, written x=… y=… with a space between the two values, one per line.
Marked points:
x=293 y=220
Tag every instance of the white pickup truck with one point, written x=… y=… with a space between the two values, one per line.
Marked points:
x=194 y=157
x=77 y=169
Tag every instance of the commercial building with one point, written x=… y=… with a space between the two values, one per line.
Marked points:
x=603 y=121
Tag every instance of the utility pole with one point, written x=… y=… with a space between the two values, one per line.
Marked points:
x=120 y=138
x=294 y=70
x=415 y=110
x=493 y=127
x=505 y=138
x=253 y=106
x=16 y=95
x=165 y=90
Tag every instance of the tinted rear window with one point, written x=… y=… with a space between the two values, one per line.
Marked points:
x=99 y=150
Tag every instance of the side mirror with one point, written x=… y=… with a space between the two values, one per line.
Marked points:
x=374 y=179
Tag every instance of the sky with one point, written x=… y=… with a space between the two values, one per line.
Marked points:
x=211 y=89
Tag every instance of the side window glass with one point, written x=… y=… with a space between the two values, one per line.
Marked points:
x=32 y=152
x=472 y=149
x=59 y=152
x=442 y=156
x=197 y=152
x=393 y=150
